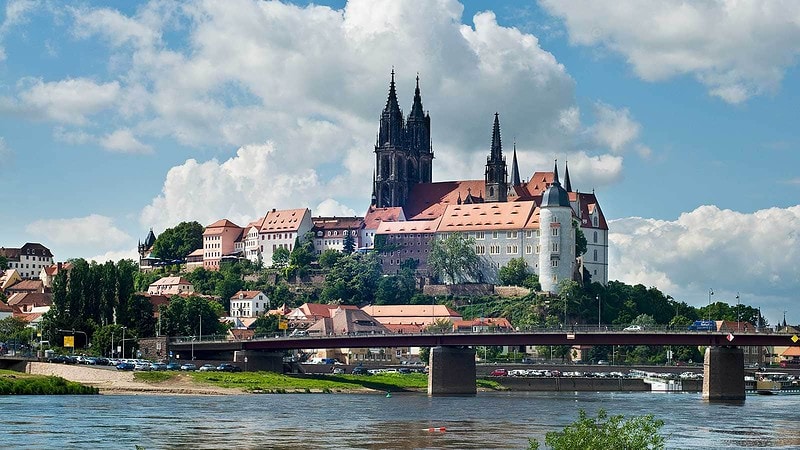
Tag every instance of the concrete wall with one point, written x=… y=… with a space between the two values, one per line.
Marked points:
x=511 y=291
x=458 y=290
x=723 y=377
x=452 y=371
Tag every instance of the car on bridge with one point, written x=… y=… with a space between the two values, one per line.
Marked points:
x=703 y=325
x=499 y=373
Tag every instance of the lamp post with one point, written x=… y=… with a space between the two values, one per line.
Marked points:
x=738 y=313
x=566 y=300
x=598 y=313
x=708 y=313
x=123 y=342
x=200 y=333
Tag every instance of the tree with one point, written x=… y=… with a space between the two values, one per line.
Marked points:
x=605 y=432
x=266 y=324
x=280 y=258
x=349 y=245
x=329 y=257
x=3 y=262
x=140 y=316
x=514 y=273
x=454 y=257
x=581 y=245
x=353 y=279
x=175 y=243
x=183 y=316
x=440 y=325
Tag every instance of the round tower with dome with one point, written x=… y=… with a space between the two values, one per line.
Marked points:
x=556 y=236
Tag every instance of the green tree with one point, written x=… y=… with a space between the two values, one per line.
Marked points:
x=349 y=245
x=266 y=324
x=107 y=338
x=175 y=243
x=604 y=432
x=140 y=316
x=183 y=316
x=329 y=257
x=581 y=245
x=280 y=258
x=3 y=262
x=11 y=328
x=514 y=273
x=205 y=281
x=454 y=258
x=352 y=280
x=440 y=325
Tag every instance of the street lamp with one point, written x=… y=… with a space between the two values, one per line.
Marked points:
x=77 y=331
x=598 y=313
x=708 y=313
x=738 y=313
x=123 y=342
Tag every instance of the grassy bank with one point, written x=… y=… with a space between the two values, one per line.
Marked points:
x=17 y=383
x=268 y=382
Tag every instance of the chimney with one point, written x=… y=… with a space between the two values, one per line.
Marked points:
x=58 y=267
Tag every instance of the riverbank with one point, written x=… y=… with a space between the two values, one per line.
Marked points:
x=17 y=383
x=110 y=381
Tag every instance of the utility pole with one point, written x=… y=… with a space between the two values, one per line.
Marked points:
x=738 y=313
x=708 y=313
x=598 y=313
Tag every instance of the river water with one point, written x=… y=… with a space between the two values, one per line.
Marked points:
x=366 y=421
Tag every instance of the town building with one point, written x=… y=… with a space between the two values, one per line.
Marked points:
x=552 y=212
x=372 y=220
x=147 y=261
x=170 y=286
x=410 y=318
x=406 y=240
x=49 y=273
x=332 y=232
x=249 y=304
x=29 y=259
x=219 y=242
x=281 y=229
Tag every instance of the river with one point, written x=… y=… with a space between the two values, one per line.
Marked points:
x=367 y=421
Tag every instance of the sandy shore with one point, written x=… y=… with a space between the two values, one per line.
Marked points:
x=111 y=381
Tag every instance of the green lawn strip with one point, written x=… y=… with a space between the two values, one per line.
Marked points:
x=270 y=382
x=18 y=383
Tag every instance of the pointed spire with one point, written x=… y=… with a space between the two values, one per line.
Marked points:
x=567 y=184
x=416 y=109
x=391 y=102
x=497 y=145
x=391 y=129
x=555 y=173
x=515 y=181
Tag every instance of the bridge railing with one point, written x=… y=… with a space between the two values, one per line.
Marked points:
x=578 y=328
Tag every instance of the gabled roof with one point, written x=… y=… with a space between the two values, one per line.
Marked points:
x=198 y=252
x=27 y=286
x=791 y=351
x=410 y=314
x=348 y=320
x=21 y=299
x=314 y=311
x=170 y=281
x=539 y=182
x=246 y=295
x=220 y=226
x=589 y=204
x=337 y=223
x=412 y=226
x=53 y=269
x=283 y=220
x=375 y=216
x=5 y=308
x=486 y=216
x=429 y=200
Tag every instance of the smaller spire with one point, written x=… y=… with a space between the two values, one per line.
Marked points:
x=555 y=173
x=497 y=145
x=567 y=184
x=515 y=181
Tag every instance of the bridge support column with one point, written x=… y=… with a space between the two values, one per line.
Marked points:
x=723 y=374
x=251 y=360
x=451 y=371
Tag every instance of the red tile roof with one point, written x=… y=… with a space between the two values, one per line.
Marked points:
x=412 y=226
x=429 y=200
x=337 y=223
x=375 y=216
x=283 y=220
x=486 y=216
x=223 y=223
x=245 y=295
x=27 y=286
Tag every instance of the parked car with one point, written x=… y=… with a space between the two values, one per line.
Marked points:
x=499 y=373
x=207 y=368
x=58 y=359
x=703 y=325
x=173 y=366
x=125 y=366
x=633 y=328
x=188 y=366
x=360 y=370
x=337 y=371
x=227 y=367
x=158 y=366
x=143 y=366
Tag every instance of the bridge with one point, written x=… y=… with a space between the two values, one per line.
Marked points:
x=452 y=360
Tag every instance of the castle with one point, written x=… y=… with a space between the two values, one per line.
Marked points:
x=535 y=219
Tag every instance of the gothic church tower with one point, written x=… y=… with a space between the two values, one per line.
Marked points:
x=496 y=176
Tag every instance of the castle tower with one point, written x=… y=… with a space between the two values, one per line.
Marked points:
x=556 y=237
x=391 y=181
x=418 y=142
x=515 y=181
x=496 y=175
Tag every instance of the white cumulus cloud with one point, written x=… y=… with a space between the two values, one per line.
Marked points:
x=123 y=141
x=737 y=49
x=756 y=254
x=90 y=230
x=69 y=101
x=615 y=129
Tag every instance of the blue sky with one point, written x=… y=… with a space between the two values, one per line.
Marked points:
x=118 y=117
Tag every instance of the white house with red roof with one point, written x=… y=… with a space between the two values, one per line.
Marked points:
x=29 y=259
x=280 y=229
x=408 y=240
x=219 y=242
x=170 y=286
x=249 y=304
x=331 y=232
x=372 y=220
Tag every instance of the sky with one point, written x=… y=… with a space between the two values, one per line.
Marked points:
x=121 y=116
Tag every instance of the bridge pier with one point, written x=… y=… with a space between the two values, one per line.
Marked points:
x=723 y=374
x=451 y=371
x=252 y=360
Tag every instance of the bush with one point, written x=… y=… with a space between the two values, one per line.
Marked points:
x=605 y=432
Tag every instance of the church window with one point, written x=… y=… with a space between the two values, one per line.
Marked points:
x=595 y=237
x=595 y=255
x=491 y=192
x=594 y=220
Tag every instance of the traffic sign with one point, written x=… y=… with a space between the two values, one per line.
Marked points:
x=69 y=341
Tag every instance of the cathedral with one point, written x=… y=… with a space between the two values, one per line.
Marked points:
x=536 y=219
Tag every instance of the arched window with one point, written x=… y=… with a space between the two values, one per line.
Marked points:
x=595 y=237
x=595 y=254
